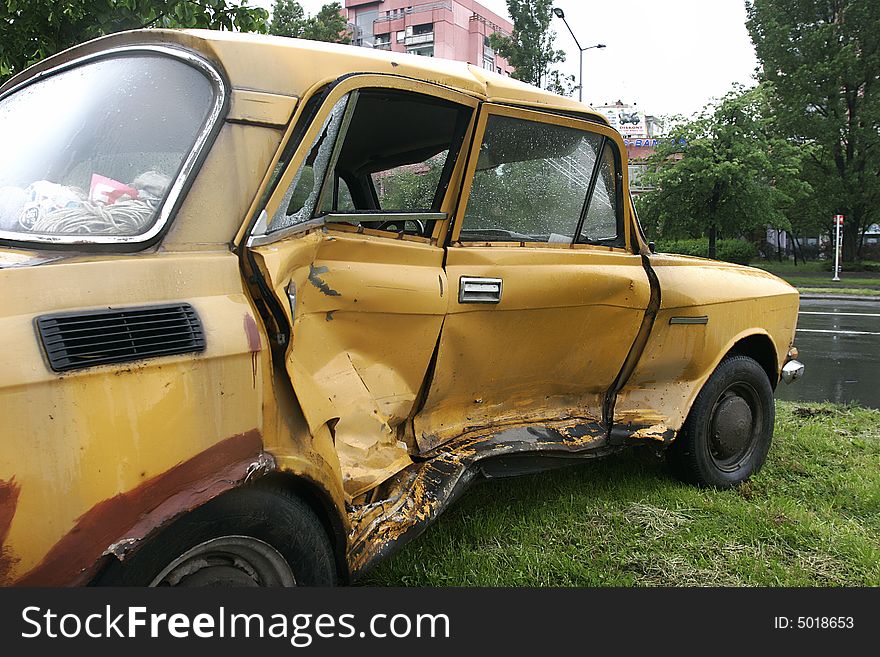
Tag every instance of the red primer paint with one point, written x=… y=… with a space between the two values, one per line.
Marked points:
x=135 y=513
x=255 y=344
x=9 y=491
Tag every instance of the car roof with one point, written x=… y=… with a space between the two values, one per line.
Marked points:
x=297 y=65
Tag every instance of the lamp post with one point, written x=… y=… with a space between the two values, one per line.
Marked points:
x=561 y=14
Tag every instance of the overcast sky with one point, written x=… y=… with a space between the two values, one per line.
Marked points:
x=668 y=57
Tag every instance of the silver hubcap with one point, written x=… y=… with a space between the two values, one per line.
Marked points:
x=233 y=561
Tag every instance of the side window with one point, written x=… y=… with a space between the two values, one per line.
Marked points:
x=532 y=182
x=301 y=198
x=600 y=223
x=399 y=150
x=379 y=152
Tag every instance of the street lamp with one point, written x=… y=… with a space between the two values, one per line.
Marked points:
x=561 y=14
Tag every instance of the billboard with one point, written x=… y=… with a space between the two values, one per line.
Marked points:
x=628 y=121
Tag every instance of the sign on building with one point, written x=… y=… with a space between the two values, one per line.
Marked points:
x=628 y=121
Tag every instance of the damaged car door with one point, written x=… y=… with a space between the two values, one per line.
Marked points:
x=547 y=297
x=349 y=243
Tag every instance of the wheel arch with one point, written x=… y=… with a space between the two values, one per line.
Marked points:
x=756 y=344
x=310 y=492
x=761 y=348
x=691 y=455
x=321 y=502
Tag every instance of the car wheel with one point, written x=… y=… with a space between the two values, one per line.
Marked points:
x=727 y=434
x=246 y=538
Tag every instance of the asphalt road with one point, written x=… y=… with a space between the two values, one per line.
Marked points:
x=839 y=342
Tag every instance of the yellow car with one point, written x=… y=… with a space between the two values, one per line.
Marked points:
x=269 y=306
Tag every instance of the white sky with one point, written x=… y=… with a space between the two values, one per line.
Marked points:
x=669 y=57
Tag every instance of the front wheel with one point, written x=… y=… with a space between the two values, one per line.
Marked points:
x=727 y=434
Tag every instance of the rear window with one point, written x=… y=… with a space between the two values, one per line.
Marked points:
x=93 y=151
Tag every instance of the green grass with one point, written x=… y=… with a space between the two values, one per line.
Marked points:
x=826 y=282
x=810 y=518
x=788 y=267
x=849 y=291
x=811 y=278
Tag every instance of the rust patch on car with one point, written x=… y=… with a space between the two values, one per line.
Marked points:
x=9 y=491
x=402 y=507
x=637 y=433
x=130 y=516
x=255 y=344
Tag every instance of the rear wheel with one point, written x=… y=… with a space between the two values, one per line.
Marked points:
x=728 y=432
x=249 y=537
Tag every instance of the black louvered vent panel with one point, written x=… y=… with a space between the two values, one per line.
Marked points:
x=98 y=337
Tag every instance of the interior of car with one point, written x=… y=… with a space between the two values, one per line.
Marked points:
x=395 y=160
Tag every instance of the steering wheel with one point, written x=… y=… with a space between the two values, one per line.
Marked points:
x=399 y=225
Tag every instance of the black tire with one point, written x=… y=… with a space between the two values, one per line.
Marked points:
x=727 y=435
x=228 y=535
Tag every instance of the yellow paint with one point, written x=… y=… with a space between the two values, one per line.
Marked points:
x=738 y=301
x=257 y=107
x=73 y=440
x=565 y=311
x=359 y=356
x=356 y=399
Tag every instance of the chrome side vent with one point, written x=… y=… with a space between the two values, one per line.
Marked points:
x=117 y=335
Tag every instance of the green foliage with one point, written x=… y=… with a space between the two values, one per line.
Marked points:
x=407 y=189
x=328 y=25
x=289 y=19
x=855 y=266
x=530 y=49
x=739 y=251
x=822 y=58
x=34 y=29
x=724 y=175
x=512 y=194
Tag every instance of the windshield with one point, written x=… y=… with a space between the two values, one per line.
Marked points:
x=94 y=150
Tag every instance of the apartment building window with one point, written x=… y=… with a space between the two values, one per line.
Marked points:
x=364 y=24
x=424 y=51
x=420 y=39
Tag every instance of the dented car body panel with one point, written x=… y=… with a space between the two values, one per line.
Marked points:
x=354 y=317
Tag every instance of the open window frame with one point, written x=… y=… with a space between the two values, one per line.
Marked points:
x=306 y=129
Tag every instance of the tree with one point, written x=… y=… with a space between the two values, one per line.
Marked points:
x=33 y=30
x=722 y=174
x=288 y=19
x=530 y=49
x=823 y=58
x=328 y=25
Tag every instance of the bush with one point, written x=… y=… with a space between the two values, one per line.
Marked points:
x=863 y=265
x=738 y=251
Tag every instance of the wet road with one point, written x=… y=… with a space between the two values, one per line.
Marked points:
x=839 y=342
